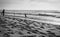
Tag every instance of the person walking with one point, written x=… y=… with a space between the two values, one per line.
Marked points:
x=3 y=12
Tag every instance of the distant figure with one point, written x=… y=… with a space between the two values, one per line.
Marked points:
x=3 y=12
x=25 y=15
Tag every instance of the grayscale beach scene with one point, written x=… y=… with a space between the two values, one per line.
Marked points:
x=29 y=18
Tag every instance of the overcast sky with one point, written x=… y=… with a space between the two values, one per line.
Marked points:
x=30 y=4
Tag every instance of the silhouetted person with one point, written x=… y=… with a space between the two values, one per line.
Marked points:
x=25 y=15
x=3 y=12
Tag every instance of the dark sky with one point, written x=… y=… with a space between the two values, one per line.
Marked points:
x=30 y=4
